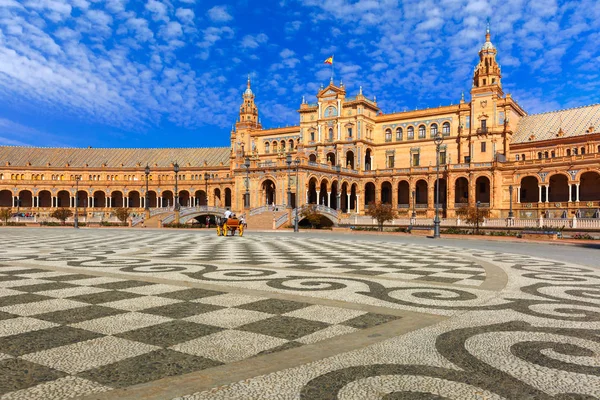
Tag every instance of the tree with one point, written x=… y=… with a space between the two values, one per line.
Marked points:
x=62 y=214
x=311 y=214
x=381 y=212
x=122 y=214
x=473 y=215
x=5 y=214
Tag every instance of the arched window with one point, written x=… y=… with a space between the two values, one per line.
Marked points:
x=398 y=133
x=575 y=151
x=330 y=111
x=267 y=147
x=274 y=147
x=283 y=145
x=545 y=154
x=583 y=150
x=446 y=128
x=552 y=154
x=312 y=136
x=568 y=152
x=433 y=130
x=517 y=157
x=539 y=155
x=598 y=148
x=410 y=132
x=291 y=144
x=523 y=157
x=421 y=131
x=388 y=135
x=331 y=134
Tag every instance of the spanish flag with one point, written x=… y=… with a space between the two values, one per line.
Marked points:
x=329 y=60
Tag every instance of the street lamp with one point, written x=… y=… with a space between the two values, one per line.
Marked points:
x=436 y=221
x=176 y=204
x=338 y=168
x=206 y=176
x=297 y=162
x=511 y=215
x=76 y=220
x=288 y=161
x=147 y=172
x=247 y=183
x=414 y=199
x=477 y=219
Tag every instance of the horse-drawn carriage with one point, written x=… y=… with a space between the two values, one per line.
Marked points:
x=229 y=227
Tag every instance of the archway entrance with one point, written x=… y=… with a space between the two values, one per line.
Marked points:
x=559 y=188
x=268 y=190
x=589 y=187
x=386 y=193
x=482 y=190
x=529 y=190
x=461 y=192
x=369 y=193
x=421 y=193
x=403 y=194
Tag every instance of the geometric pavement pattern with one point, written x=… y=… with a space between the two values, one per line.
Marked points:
x=65 y=334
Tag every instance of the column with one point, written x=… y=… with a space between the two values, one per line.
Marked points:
x=357 y=203
x=159 y=200
x=348 y=202
x=318 y=197
x=93 y=203
x=577 y=192
x=125 y=201
x=329 y=199
x=307 y=198
x=539 y=193
x=519 y=193
x=193 y=201
x=71 y=201
x=109 y=202
x=570 y=192
x=37 y=201
x=548 y=193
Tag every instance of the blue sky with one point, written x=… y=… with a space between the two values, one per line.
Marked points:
x=170 y=73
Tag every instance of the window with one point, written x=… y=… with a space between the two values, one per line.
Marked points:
x=411 y=132
x=433 y=130
x=446 y=129
x=484 y=125
x=274 y=147
x=312 y=137
x=331 y=134
x=523 y=157
x=415 y=160
x=483 y=147
x=583 y=150
x=467 y=159
x=442 y=157
x=517 y=157
x=568 y=152
x=575 y=151
x=349 y=132
x=390 y=162
x=388 y=135
x=545 y=154
x=553 y=154
x=267 y=147
x=422 y=132
x=484 y=81
x=398 y=133
x=291 y=143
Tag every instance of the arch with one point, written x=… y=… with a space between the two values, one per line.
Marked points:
x=99 y=199
x=582 y=151
x=312 y=158
x=482 y=189
x=368 y=160
x=227 y=197
x=461 y=190
x=386 y=192
x=82 y=198
x=267 y=147
x=345 y=207
x=63 y=199
x=568 y=152
x=369 y=193
x=291 y=144
x=201 y=199
x=152 y=199
x=269 y=192
x=166 y=198
x=312 y=191
x=116 y=199
x=45 y=199
x=433 y=129
x=410 y=133
x=421 y=192
x=422 y=132
x=134 y=199
x=399 y=134
x=331 y=158
x=184 y=198
x=282 y=146
x=274 y=147
x=323 y=188
x=334 y=195
x=404 y=194
x=446 y=128
x=442 y=192
x=388 y=135
x=529 y=190
x=217 y=194
x=559 y=188
x=350 y=159
x=353 y=198
x=25 y=198
x=589 y=189
x=539 y=155
x=6 y=198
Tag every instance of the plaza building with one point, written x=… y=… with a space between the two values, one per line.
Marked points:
x=344 y=154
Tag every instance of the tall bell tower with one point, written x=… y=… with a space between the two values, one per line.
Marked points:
x=487 y=75
x=248 y=111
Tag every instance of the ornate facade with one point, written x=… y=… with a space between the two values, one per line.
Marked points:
x=344 y=150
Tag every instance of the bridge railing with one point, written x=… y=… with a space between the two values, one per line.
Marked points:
x=161 y=210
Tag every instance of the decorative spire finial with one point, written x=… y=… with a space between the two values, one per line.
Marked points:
x=248 y=81
x=487 y=31
x=462 y=96
x=360 y=90
x=303 y=100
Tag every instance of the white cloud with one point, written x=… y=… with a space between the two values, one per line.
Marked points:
x=219 y=14
x=185 y=15
x=252 y=42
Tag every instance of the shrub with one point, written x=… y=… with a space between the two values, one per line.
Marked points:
x=582 y=236
x=62 y=214
x=122 y=214
x=381 y=212
x=5 y=214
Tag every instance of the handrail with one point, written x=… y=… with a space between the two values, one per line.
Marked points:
x=281 y=220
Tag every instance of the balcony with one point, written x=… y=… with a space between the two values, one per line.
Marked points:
x=482 y=131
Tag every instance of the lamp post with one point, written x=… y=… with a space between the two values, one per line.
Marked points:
x=511 y=215
x=176 y=170
x=206 y=176
x=436 y=221
x=247 y=183
x=414 y=199
x=288 y=161
x=76 y=220
x=147 y=173
x=477 y=204
x=338 y=203
x=296 y=203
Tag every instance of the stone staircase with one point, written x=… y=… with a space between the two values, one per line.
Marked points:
x=263 y=221
x=153 y=221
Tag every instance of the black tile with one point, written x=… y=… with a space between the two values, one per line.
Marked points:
x=169 y=333
x=20 y=374
x=70 y=277
x=5 y=315
x=23 y=271
x=284 y=327
x=123 y=285
x=283 y=347
x=190 y=294
x=104 y=297
x=31 y=342
x=21 y=299
x=368 y=320
x=148 y=367
x=439 y=279
x=182 y=310
x=40 y=287
x=6 y=278
x=274 y=306
x=79 y=314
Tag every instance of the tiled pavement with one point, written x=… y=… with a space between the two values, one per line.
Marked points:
x=99 y=333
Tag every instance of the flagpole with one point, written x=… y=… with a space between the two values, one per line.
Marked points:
x=332 y=60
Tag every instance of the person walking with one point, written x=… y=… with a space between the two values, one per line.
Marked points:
x=207 y=221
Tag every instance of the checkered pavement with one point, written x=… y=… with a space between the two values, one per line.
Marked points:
x=79 y=334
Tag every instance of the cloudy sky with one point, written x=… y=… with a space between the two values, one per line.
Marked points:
x=170 y=73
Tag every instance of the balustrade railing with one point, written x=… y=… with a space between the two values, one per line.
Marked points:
x=281 y=220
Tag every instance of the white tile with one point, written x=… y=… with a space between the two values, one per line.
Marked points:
x=71 y=292
x=49 y=274
x=155 y=289
x=229 y=317
x=332 y=315
x=90 y=354
x=5 y=356
x=44 y=306
x=23 y=282
x=95 y=281
x=229 y=299
x=8 y=292
x=140 y=303
x=121 y=323
x=326 y=333
x=63 y=388
x=15 y=326
x=228 y=346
